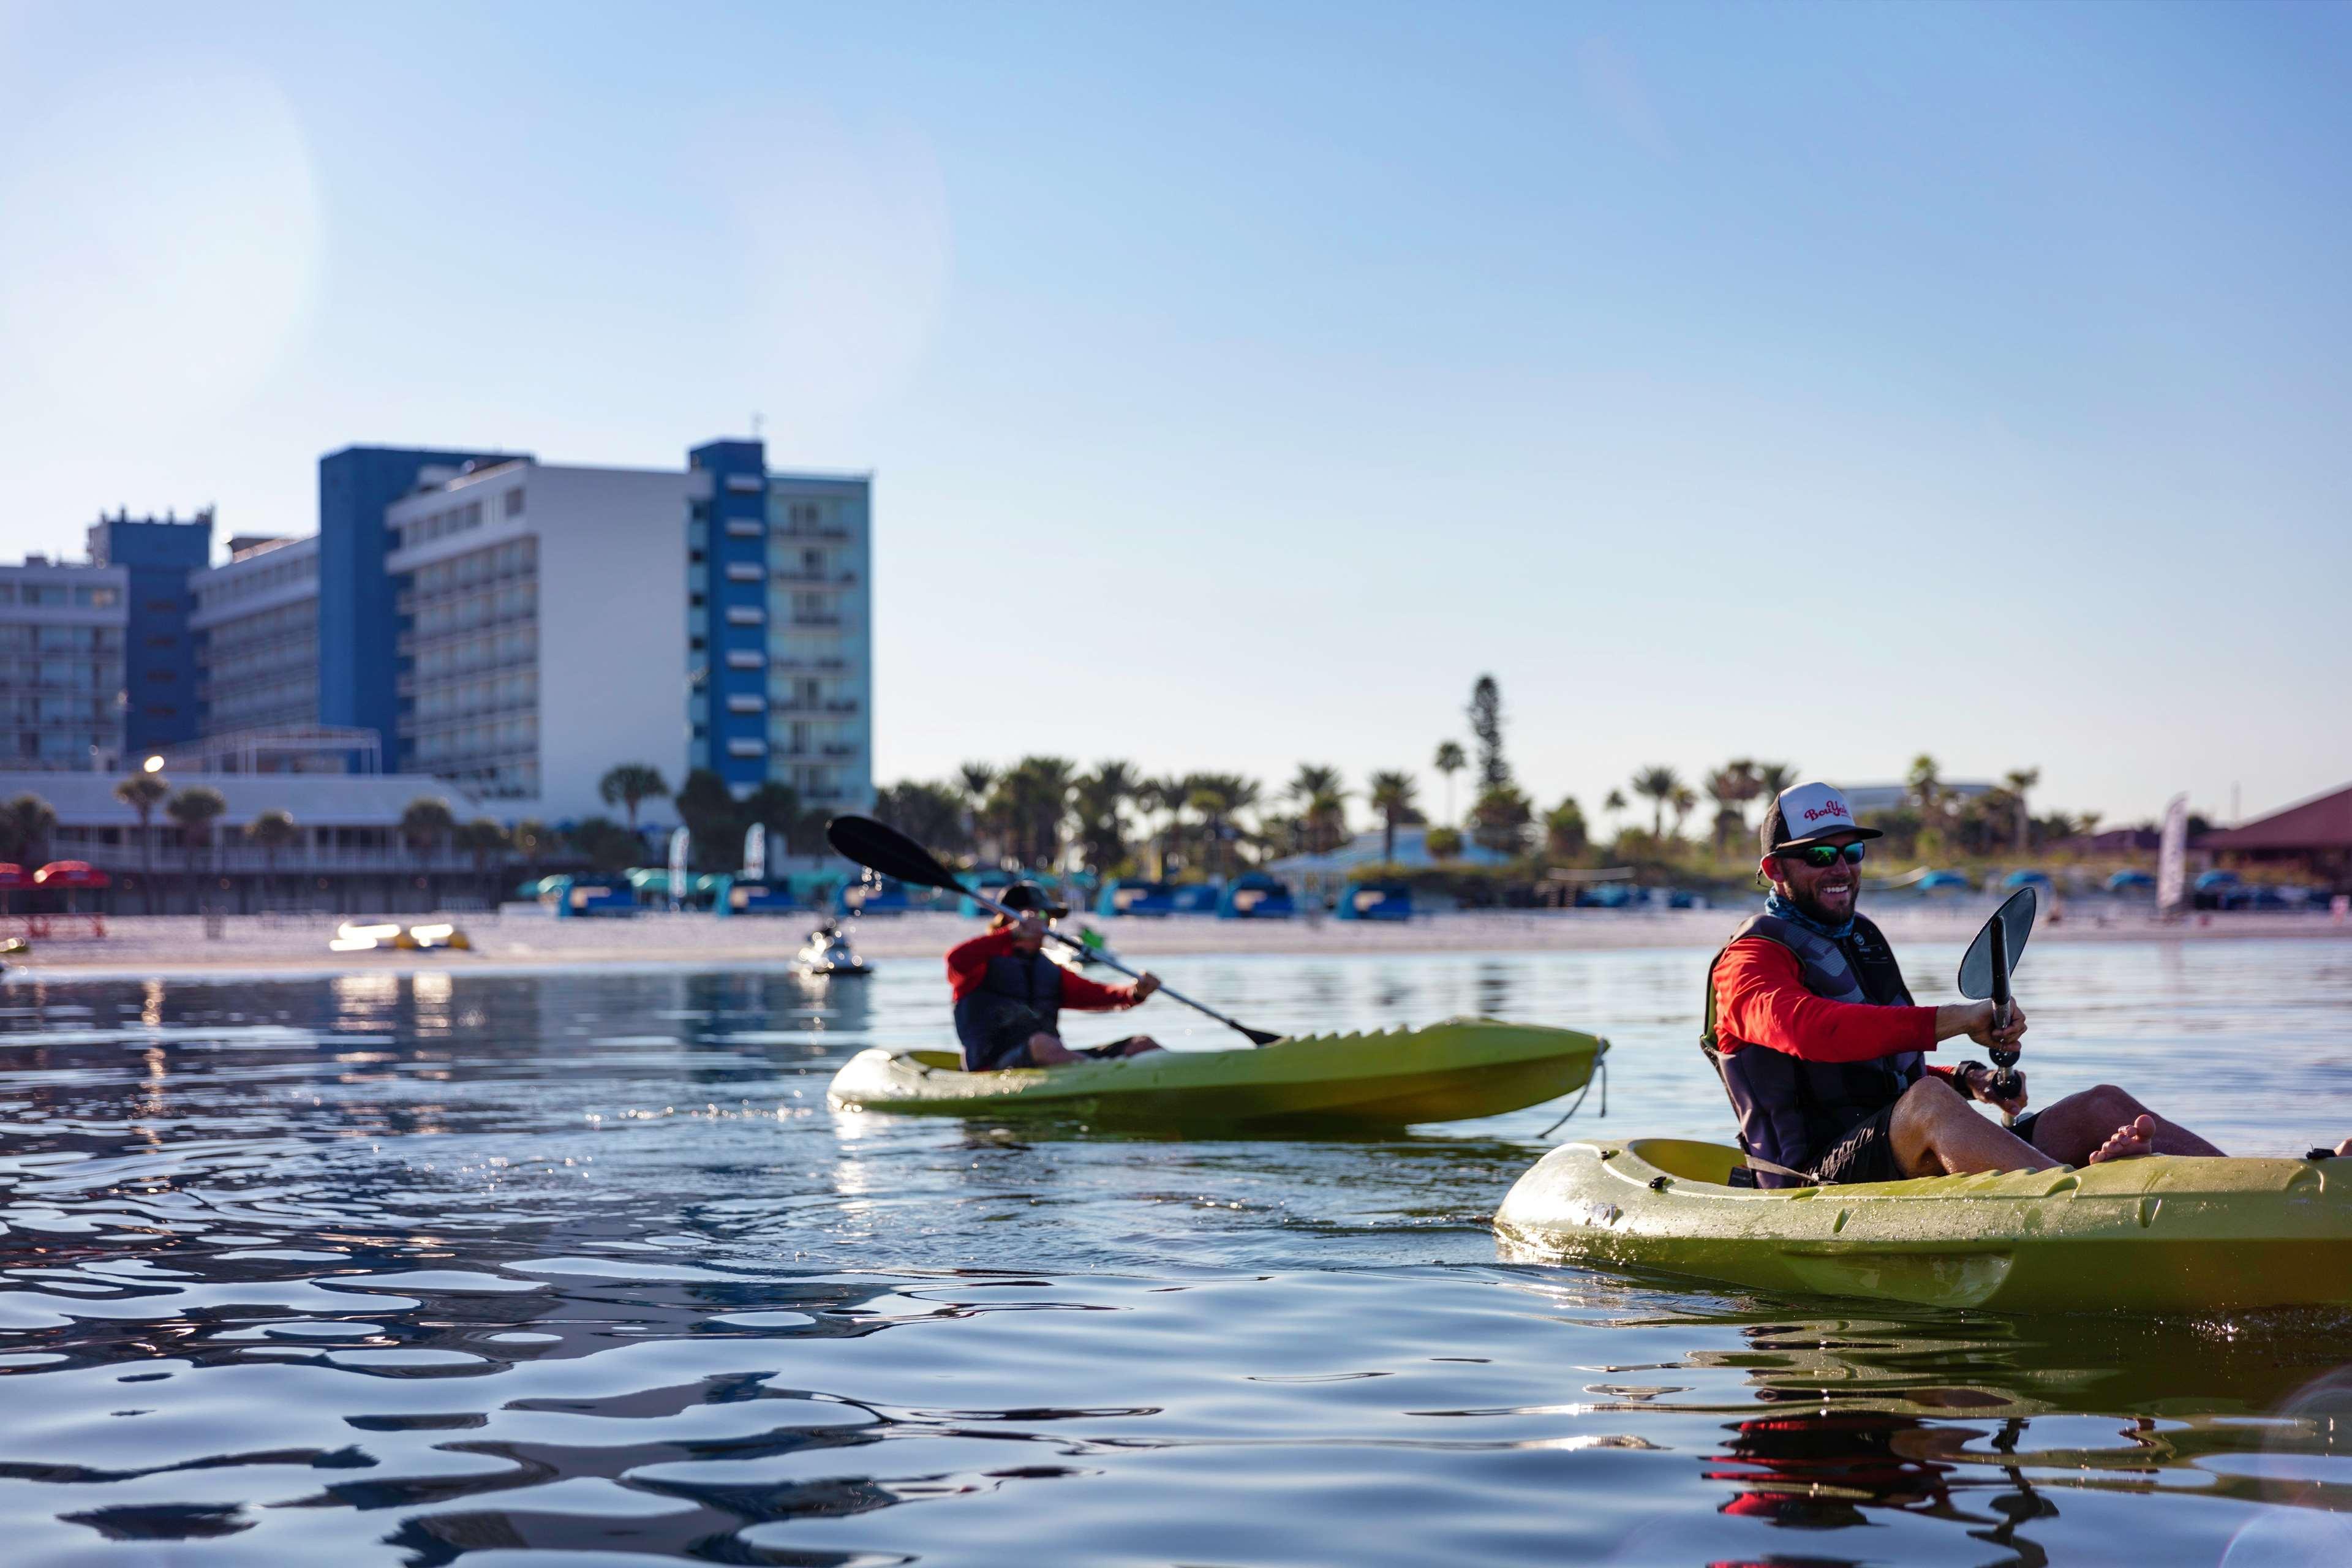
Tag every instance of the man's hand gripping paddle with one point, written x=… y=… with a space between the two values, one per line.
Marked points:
x=879 y=847
x=1985 y=971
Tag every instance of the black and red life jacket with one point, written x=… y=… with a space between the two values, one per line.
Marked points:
x=1794 y=1111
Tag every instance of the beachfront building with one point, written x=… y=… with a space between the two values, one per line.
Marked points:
x=2311 y=840
x=518 y=629
x=62 y=630
x=779 y=627
x=542 y=613
x=256 y=626
x=348 y=856
x=1321 y=877
x=160 y=700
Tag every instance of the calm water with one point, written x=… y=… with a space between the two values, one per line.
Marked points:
x=577 y=1269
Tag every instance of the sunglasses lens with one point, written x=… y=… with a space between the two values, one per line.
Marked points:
x=1818 y=856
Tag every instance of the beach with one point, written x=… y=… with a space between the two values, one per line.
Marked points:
x=526 y=941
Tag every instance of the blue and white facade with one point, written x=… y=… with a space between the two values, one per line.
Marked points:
x=779 y=627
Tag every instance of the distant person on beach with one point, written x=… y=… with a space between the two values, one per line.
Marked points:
x=1821 y=1048
x=1009 y=996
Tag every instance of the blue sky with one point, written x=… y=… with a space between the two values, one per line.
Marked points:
x=1823 y=383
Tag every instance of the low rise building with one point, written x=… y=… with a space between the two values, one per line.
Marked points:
x=349 y=853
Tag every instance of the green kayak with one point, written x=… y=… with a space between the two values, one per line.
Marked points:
x=1452 y=1071
x=2167 y=1233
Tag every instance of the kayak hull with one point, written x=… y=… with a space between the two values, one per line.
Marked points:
x=1462 y=1068
x=2162 y=1235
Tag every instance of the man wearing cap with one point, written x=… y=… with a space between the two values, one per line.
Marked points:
x=1823 y=1051
x=1009 y=996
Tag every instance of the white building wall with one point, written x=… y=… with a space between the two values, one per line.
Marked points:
x=607 y=584
x=612 y=668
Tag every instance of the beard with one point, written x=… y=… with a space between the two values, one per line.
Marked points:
x=1808 y=904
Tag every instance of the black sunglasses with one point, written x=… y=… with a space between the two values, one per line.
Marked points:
x=1818 y=856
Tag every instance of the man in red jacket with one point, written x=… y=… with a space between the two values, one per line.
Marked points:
x=1009 y=996
x=1823 y=1051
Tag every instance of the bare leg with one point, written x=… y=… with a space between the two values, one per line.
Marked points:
x=1047 y=1050
x=2345 y=1147
x=1936 y=1135
x=2073 y=1128
x=1138 y=1046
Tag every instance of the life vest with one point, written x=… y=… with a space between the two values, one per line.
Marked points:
x=1019 y=992
x=1794 y=1111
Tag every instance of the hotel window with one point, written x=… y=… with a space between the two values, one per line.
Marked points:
x=514 y=502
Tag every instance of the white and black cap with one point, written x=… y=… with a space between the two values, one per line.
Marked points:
x=1806 y=814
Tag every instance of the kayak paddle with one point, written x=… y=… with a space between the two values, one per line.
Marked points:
x=879 y=847
x=1984 y=974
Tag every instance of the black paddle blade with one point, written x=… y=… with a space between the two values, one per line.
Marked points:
x=1260 y=1037
x=879 y=847
x=2015 y=918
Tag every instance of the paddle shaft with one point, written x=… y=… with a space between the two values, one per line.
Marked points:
x=2004 y=1063
x=993 y=907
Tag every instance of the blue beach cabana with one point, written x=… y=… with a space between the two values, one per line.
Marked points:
x=1375 y=902
x=1135 y=896
x=1254 y=896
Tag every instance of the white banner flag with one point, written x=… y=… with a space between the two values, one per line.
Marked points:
x=2172 y=856
x=755 y=852
x=678 y=840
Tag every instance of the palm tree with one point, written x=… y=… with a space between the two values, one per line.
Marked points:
x=1390 y=795
x=482 y=837
x=1771 y=778
x=1564 y=833
x=273 y=830
x=1323 y=806
x=425 y=821
x=143 y=793
x=1162 y=794
x=1031 y=801
x=1100 y=795
x=195 y=809
x=1683 y=800
x=1615 y=804
x=974 y=780
x=627 y=785
x=1726 y=789
x=1657 y=785
x=2021 y=780
x=1450 y=761
x=1500 y=818
x=1215 y=797
x=29 y=821
x=1926 y=787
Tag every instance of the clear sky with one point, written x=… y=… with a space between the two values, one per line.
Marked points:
x=1830 y=384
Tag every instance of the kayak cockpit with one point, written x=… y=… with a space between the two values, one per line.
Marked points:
x=937 y=1061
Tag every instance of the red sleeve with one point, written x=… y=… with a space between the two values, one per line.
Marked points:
x=1760 y=1000
x=1092 y=997
x=968 y=961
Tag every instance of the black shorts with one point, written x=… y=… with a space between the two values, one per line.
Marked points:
x=1867 y=1153
x=1019 y=1057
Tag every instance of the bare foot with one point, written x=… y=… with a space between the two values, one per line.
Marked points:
x=2345 y=1147
x=2130 y=1141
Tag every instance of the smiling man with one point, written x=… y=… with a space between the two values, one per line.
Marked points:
x=1823 y=1053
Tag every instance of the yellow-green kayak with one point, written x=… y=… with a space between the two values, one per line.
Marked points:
x=2166 y=1234
x=1448 y=1072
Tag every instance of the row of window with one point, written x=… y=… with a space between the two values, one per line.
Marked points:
x=482 y=694
x=476 y=566
x=466 y=611
x=22 y=638
x=515 y=644
x=458 y=518
x=216 y=590
x=90 y=595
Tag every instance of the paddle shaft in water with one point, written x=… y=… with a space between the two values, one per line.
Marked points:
x=879 y=847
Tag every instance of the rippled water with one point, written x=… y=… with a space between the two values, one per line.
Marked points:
x=578 y=1268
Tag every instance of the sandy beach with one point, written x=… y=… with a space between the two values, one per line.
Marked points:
x=163 y=946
